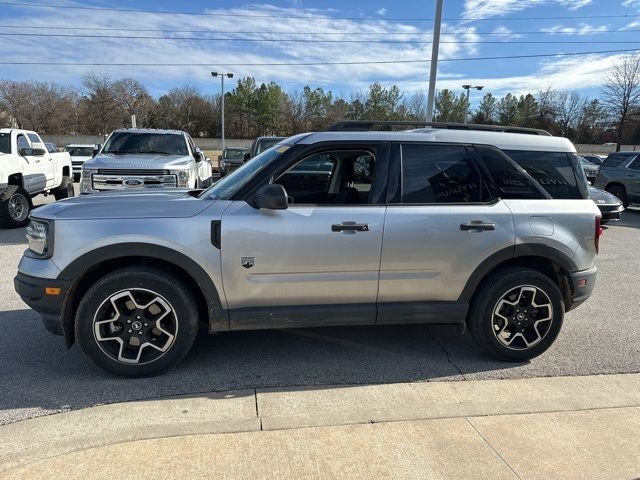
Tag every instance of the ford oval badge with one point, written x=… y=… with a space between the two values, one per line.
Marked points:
x=132 y=182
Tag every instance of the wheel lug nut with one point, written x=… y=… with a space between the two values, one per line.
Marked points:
x=129 y=331
x=138 y=317
x=146 y=325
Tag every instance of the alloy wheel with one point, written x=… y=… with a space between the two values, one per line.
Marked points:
x=18 y=207
x=135 y=326
x=522 y=317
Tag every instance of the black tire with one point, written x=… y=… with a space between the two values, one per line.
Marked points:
x=174 y=297
x=15 y=205
x=486 y=301
x=65 y=190
x=76 y=177
x=620 y=192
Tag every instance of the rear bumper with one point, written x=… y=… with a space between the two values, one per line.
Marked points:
x=32 y=290
x=582 y=283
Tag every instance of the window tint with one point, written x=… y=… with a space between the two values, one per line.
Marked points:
x=330 y=178
x=552 y=170
x=121 y=143
x=635 y=165
x=510 y=181
x=22 y=142
x=439 y=174
x=615 y=160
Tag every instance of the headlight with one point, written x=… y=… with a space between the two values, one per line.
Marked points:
x=85 y=179
x=39 y=238
x=183 y=177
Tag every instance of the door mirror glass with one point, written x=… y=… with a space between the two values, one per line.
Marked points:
x=271 y=197
x=246 y=157
x=96 y=149
x=32 y=152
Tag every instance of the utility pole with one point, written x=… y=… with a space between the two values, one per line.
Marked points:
x=434 y=59
x=222 y=75
x=466 y=110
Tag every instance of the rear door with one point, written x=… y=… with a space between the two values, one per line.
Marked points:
x=442 y=222
x=632 y=175
x=317 y=262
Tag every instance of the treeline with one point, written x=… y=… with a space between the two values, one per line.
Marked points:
x=103 y=104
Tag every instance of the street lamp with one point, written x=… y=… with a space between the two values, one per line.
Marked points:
x=467 y=88
x=222 y=75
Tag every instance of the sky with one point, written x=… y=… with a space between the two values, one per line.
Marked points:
x=204 y=36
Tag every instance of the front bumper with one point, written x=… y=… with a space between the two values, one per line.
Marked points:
x=582 y=283
x=34 y=292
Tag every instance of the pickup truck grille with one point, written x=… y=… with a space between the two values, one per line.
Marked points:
x=130 y=171
x=125 y=181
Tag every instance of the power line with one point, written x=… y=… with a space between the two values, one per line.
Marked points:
x=308 y=17
x=289 y=64
x=305 y=40
x=346 y=32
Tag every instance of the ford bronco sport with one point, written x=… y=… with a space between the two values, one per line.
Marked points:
x=443 y=228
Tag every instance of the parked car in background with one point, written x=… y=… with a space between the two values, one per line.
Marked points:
x=595 y=159
x=448 y=229
x=51 y=147
x=610 y=206
x=590 y=170
x=620 y=175
x=261 y=144
x=80 y=153
x=136 y=158
x=26 y=170
x=231 y=158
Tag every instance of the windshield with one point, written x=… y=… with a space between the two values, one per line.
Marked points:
x=80 y=151
x=224 y=188
x=234 y=154
x=122 y=143
x=5 y=143
x=266 y=143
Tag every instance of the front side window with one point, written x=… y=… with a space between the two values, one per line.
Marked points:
x=23 y=142
x=615 y=160
x=552 y=170
x=439 y=174
x=33 y=137
x=635 y=165
x=330 y=178
x=123 y=143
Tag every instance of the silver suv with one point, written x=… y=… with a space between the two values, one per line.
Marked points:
x=444 y=227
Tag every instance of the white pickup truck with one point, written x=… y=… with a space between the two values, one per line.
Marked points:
x=26 y=170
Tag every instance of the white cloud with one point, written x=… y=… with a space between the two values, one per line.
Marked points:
x=631 y=25
x=631 y=3
x=478 y=9
x=382 y=11
x=581 y=29
x=505 y=33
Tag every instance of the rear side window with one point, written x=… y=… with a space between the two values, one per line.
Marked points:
x=615 y=160
x=552 y=170
x=33 y=137
x=439 y=174
x=635 y=165
x=510 y=181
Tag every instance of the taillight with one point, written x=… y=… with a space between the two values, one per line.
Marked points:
x=599 y=231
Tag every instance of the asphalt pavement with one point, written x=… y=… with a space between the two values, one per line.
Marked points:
x=40 y=376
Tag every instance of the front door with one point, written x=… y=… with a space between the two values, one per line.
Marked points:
x=315 y=263
x=35 y=167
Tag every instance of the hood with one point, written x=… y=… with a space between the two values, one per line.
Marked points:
x=139 y=161
x=601 y=197
x=165 y=203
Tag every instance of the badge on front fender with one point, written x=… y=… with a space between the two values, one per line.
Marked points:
x=247 y=262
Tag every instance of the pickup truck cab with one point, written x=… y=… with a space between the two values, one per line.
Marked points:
x=27 y=169
x=442 y=227
x=136 y=158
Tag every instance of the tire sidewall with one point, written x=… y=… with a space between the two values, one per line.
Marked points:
x=620 y=193
x=161 y=283
x=7 y=220
x=495 y=289
x=65 y=190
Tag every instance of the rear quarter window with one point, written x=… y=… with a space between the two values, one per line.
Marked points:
x=615 y=160
x=552 y=170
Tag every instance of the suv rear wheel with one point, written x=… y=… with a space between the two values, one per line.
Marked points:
x=516 y=314
x=136 y=321
x=620 y=192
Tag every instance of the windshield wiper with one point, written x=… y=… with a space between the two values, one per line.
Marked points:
x=156 y=152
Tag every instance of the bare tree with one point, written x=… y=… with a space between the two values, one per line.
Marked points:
x=568 y=107
x=103 y=110
x=622 y=92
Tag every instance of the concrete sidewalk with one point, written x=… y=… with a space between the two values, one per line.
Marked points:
x=566 y=427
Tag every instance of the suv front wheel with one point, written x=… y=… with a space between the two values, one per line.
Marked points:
x=136 y=321
x=516 y=314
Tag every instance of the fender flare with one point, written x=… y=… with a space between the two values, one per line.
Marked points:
x=501 y=256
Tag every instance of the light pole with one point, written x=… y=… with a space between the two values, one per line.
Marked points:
x=222 y=75
x=434 y=59
x=467 y=88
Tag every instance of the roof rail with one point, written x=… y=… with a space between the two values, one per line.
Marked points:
x=368 y=125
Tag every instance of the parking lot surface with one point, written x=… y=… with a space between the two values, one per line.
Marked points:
x=40 y=376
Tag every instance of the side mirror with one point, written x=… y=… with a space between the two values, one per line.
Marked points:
x=96 y=149
x=219 y=158
x=246 y=157
x=271 y=197
x=197 y=154
x=32 y=152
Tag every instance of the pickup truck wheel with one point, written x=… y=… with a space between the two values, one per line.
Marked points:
x=516 y=314
x=15 y=205
x=620 y=192
x=65 y=190
x=136 y=321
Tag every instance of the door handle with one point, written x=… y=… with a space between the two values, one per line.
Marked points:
x=350 y=227
x=477 y=225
